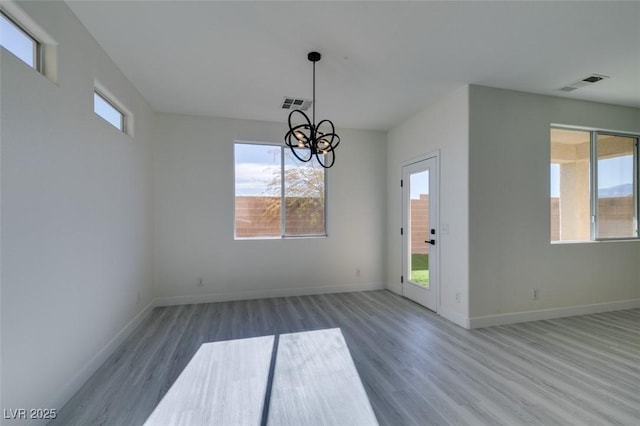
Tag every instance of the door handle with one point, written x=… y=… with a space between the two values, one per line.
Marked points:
x=432 y=242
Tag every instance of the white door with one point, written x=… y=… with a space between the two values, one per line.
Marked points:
x=419 y=232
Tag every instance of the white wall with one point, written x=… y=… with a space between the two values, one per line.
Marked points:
x=76 y=229
x=193 y=210
x=510 y=252
x=443 y=126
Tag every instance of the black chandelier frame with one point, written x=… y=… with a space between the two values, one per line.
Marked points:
x=308 y=140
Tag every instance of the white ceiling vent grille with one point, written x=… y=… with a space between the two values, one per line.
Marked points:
x=295 y=103
x=585 y=81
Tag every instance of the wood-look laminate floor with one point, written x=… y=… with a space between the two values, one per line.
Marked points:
x=416 y=367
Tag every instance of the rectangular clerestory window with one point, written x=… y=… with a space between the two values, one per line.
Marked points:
x=27 y=41
x=276 y=195
x=17 y=40
x=594 y=185
x=106 y=108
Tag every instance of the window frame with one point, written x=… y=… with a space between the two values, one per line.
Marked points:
x=37 y=43
x=283 y=234
x=111 y=103
x=593 y=182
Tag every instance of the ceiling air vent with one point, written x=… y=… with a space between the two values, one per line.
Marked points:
x=585 y=81
x=295 y=103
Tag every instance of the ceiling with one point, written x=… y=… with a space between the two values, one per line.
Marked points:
x=381 y=61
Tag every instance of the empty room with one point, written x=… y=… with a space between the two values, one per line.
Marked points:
x=319 y=213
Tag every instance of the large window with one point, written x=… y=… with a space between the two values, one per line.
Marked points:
x=277 y=196
x=594 y=185
x=18 y=41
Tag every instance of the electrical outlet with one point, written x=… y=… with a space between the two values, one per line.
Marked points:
x=535 y=294
x=457 y=297
x=200 y=282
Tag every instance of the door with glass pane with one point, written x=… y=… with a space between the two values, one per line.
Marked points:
x=419 y=232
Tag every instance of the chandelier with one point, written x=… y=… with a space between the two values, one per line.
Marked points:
x=308 y=140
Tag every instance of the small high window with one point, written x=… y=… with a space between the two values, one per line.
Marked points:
x=107 y=110
x=18 y=41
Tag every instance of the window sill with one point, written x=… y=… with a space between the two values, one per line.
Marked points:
x=288 y=237
x=612 y=240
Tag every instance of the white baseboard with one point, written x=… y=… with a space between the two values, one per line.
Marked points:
x=454 y=317
x=395 y=288
x=544 y=314
x=85 y=372
x=264 y=294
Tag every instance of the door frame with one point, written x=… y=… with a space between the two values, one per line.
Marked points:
x=404 y=247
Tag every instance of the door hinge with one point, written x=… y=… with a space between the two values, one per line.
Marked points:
x=401 y=183
x=401 y=278
x=401 y=231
